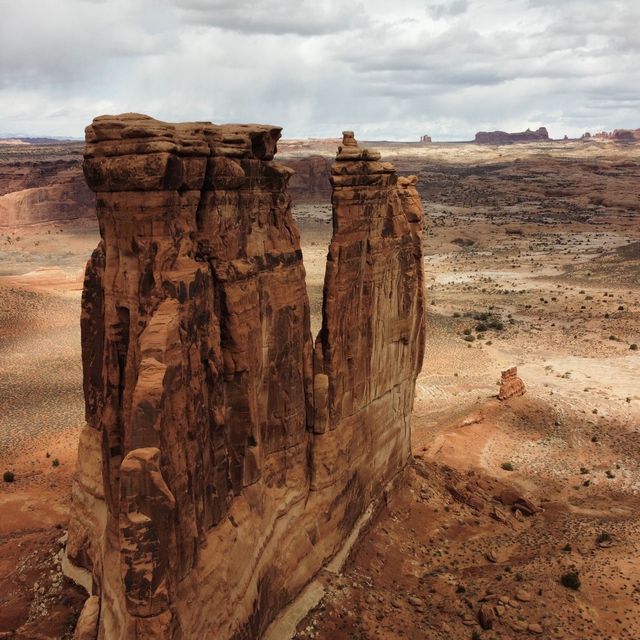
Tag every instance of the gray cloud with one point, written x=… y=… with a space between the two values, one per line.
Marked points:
x=387 y=70
x=304 y=17
x=448 y=9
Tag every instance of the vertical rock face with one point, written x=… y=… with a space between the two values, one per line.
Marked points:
x=510 y=384
x=217 y=436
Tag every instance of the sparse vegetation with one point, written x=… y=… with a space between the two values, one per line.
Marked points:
x=55 y=462
x=9 y=476
x=507 y=466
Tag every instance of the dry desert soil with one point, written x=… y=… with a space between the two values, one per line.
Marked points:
x=532 y=260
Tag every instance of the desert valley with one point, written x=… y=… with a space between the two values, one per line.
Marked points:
x=515 y=516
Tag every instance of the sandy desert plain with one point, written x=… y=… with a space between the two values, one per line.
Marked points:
x=532 y=260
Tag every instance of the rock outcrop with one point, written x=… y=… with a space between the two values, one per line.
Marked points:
x=502 y=137
x=510 y=384
x=226 y=458
x=311 y=182
x=425 y=139
x=40 y=191
x=619 y=135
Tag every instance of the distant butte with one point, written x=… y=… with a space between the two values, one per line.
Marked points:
x=502 y=137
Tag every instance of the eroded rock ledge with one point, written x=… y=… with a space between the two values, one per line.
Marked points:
x=226 y=458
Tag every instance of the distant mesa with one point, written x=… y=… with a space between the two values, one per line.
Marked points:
x=502 y=137
x=425 y=139
x=619 y=135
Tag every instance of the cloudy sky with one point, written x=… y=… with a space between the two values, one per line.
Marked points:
x=390 y=69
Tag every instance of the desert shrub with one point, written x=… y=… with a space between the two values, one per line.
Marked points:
x=570 y=580
x=8 y=476
x=481 y=327
x=633 y=347
x=604 y=537
x=55 y=462
x=507 y=466
x=467 y=332
x=584 y=470
x=609 y=474
x=620 y=308
x=567 y=548
x=456 y=314
x=469 y=338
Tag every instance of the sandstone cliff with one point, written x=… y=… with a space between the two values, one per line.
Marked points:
x=225 y=458
x=311 y=181
x=502 y=137
x=43 y=190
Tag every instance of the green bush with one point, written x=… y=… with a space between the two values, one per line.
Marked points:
x=507 y=466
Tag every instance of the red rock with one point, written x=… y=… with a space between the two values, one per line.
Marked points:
x=511 y=385
x=311 y=180
x=225 y=460
x=87 y=625
x=502 y=137
x=44 y=190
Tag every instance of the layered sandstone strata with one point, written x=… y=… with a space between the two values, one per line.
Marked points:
x=311 y=182
x=225 y=459
x=510 y=384
x=40 y=191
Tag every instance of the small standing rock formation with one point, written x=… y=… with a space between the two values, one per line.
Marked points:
x=425 y=139
x=511 y=385
x=226 y=459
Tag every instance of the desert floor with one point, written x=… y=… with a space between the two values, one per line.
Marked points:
x=533 y=260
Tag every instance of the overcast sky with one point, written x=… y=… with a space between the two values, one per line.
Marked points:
x=389 y=69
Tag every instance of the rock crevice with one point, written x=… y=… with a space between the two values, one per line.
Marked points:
x=217 y=434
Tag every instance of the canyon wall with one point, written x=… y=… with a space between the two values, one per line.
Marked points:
x=38 y=191
x=226 y=458
x=311 y=182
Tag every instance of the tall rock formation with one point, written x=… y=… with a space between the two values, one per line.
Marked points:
x=225 y=459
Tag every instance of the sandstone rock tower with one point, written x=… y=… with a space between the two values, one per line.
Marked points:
x=510 y=384
x=225 y=458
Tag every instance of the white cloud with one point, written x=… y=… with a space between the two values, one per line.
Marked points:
x=387 y=70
